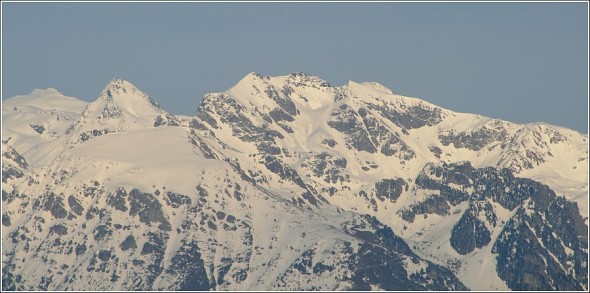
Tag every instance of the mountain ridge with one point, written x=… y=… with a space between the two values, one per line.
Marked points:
x=244 y=193
x=16 y=101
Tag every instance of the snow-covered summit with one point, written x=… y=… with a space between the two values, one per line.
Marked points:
x=304 y=79
x=296 y=79
x=129 y=98
x=49 y=90
x=47 y=99
x=369 y=86
x=120 y=107
x=308 y=90
x=123 y=97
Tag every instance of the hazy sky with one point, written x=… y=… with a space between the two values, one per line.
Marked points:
x=522 y=62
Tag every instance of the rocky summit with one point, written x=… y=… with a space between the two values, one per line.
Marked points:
x=287 y=183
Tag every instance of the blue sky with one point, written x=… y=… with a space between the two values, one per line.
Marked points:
x=522 y=62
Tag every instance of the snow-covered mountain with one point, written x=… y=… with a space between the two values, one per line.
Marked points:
x=287 y=183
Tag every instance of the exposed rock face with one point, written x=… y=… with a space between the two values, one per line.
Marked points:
x=488 y=134
x=410 y=117
x=390 y=189
x=536 y=236
x=347 y=121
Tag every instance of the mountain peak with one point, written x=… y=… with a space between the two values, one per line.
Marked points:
x=297 y=79
x=47 y=91
x=120 y=106
x=117 y=82
x=250 y=79
x=254 y=75
x=47 y=99
x=127 y=96
x=118 y=87
x=372 y=86
x=304 y=79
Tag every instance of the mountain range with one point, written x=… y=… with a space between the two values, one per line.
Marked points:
x=287 y=183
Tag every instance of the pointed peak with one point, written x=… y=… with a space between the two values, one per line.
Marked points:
x=127 y=96
x=252 y=77
x=118 y=81
x=118 y=87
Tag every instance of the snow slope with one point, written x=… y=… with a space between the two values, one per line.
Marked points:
x=37 y=121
